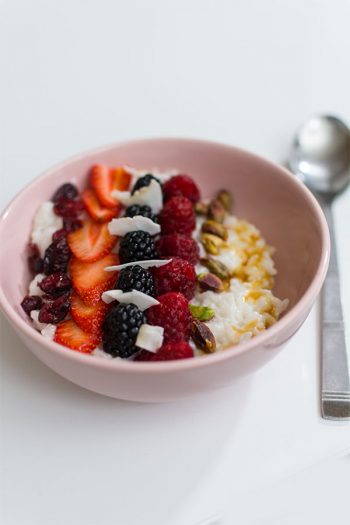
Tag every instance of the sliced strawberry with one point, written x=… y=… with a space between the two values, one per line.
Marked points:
x=104 y=180
x=88 y=318
x=69 y=334
x=90 y=280
x=91 y=242
x=95 y=210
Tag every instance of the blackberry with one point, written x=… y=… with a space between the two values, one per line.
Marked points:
x=136 y=278
x=120 y=329
x=137 y=246
x=144 y=181
x=145 y=211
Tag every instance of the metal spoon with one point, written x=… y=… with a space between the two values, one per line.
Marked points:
x=320 y=157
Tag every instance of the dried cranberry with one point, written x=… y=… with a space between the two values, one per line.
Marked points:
x=55 y=284
x=68 y=208
x=71 y=224
x=35 y=262
x=31 y=302
x=55 y=311
x=59 y=234
x=66 y=191
x=56 y=257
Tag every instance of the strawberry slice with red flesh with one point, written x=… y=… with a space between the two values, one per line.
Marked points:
x=104 y=180
x=95 y=210
x=69 y=334
x=90 y=280
x=88 y=317
x=91 y=242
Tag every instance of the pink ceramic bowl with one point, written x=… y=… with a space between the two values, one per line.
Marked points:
x=265 y=194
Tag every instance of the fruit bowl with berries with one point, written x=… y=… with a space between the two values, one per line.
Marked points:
x=157 y=269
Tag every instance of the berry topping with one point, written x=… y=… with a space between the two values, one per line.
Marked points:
x=136 y=278
x=69 y=334
x=56 y=257
x=88 y=318
x=94 y=208
x=55 y=311
x=35 y=262
x=120 y=329
x=168 y=352
x=59 y=234
x=55 y=284
x=137 y=246
x=181 y=186
x=180 y=245
x=68 y=208
x=71 y=224
x=31 y=302
x=173 y=315
x=90 y=280
x=66 y=191
x=144 y=181
x=177 y=276
x=91 y=242
x=144 y=211
x=104 y=181
x=177 y=216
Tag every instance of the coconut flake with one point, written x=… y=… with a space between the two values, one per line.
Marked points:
x=150 y=337
x=122 y=196
x=157 y=263
x=150 y=195
x=162 y=175
x=45 y=223
x=125 y=225
x=140 y=299
x=49 y=331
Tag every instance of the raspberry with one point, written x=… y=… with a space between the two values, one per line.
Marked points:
x=173 y=315
x=167 y=352
x=136 y=278
x=56 y=256
x=66 y=191
x=55 y=284
x=177 y=276
x=181 y=186
x=180 y=245
x=144 y=181
x=120 y=329
x=145 y=211
x=31 y=302
x=137 y=246
x=177 y=216
x=55 y=311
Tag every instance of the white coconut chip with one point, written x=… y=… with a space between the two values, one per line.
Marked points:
x=140 y=299
x=125 y=225
x=150 y=337
x=162 y=175
x=150 y=195
x=33 y=285
x=49 y=331
x=156 y=263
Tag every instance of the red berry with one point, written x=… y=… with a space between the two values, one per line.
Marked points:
x=173 y=315
x=66 y=191
x=71 y=224
x=181 y=186
x=167 y=352
x=31 y=302
x=177 y=276
x=58 y=235
x=177 y=216
x=55 y=284
x=55 y=311
x=68 y=208
x=180 y=245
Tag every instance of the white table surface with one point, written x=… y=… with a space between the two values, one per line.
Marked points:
x=79 y=74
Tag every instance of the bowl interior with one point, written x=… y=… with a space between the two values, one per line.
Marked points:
x=264 y=195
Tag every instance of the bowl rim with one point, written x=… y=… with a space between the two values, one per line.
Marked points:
x=304 y=303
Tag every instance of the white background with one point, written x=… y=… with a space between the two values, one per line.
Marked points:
x=76 y=74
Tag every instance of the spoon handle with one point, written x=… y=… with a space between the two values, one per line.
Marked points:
x=335 y=400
